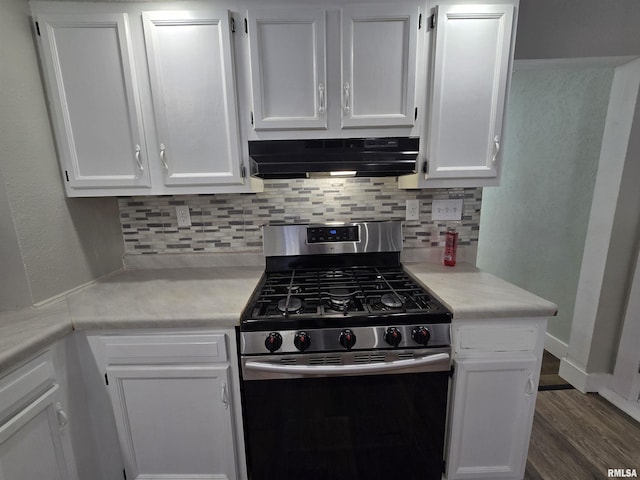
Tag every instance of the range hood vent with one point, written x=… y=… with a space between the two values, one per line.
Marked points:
x=362 y=157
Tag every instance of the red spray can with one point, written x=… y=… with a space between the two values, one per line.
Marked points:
x=450 y=247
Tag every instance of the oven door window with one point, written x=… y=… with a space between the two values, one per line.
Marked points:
x=351 y=428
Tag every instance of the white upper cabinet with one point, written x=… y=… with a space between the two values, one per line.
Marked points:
x=337 y=72
x=287 y=56
x=143 y=97
x=194 y=96
x=470 y=70
x=89 y=70
x=378 y=65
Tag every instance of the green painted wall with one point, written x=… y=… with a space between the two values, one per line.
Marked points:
x=533 y=226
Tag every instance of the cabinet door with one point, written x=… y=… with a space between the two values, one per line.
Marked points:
x=34 y=443
x=174 y=421
x=494 y=399
x=194 y=96
x=378 y=65
x=470 y=70
x=91 y=81
x=287 y=51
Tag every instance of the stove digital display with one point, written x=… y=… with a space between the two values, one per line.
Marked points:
x=347 y=233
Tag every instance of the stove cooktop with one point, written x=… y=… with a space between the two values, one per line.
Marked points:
x=340 y=297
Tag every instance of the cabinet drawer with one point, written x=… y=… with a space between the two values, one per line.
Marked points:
x=495 y=338
x=22 y=385
x=165 y=348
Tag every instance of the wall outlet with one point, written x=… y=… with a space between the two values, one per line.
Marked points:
x=184 y=218
x=413 y=210
x=446 y=210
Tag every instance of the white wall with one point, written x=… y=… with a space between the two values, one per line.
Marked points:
x=577 y=28
x=64 y=243
x=533 y=227
x=14 y=286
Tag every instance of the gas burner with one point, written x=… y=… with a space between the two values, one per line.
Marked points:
x=391 y=300
x=294 y=305
x=340 y=298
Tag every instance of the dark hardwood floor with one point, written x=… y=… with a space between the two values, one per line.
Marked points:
x=578 y=437
x=549 y=378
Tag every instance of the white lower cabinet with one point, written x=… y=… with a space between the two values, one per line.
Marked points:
x=493 y=404
x=34 y=434
x=172 y=402
x=496 y=373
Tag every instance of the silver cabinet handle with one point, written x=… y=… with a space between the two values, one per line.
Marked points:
x=224 y=395
x=347 y=100
x=163 y=157
x=531 y=386
x=496 y=148
x=63 y=419
x=321 y=104
x=139 y=160
x=348 y=369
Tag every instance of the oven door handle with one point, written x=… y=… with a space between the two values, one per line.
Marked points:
x=442 y=358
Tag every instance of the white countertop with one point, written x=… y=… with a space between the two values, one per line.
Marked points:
x=470 y=293
x=173 y=297
x=27 y=331
x=215 y=297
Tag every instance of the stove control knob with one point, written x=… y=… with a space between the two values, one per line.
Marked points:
x=273 y=341
x=393 y=336
x=420 y=335
x=302 y=341
x=347 y=339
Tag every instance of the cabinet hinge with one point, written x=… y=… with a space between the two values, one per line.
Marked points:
x=444 y=466
x=233 y=25
x=246 y=26
x=452 y=371
x=415 y=114
x=243 y=172
x=66 y=174
x=432 y=21
x=251 y=118
x=124 y=474
x=425 y=166
x=419 y=21
x=38 y=28
x=106 y=379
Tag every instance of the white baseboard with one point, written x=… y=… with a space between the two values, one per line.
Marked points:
x=581 y=380
x=555 y=347
x=630 y=408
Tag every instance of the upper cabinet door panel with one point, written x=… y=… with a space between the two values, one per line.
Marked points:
x=287 y=51
x=89 y=70
x=194 y=97
x=378 y=65
x=470 y=71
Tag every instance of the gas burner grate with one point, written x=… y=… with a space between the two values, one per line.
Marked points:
x=339 y=292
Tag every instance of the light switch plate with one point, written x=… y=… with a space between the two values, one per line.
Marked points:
x=413 y=210
x=446 y=209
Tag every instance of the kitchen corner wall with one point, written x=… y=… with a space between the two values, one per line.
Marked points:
x=231 y=222
x=56 y=243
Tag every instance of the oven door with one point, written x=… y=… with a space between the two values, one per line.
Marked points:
x=343 y=416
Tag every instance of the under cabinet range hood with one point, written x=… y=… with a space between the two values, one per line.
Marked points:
x=361 y=157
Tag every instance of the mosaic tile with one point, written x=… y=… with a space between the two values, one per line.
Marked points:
x=231 y=222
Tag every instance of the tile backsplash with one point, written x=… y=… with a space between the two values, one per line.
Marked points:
x=231 y=222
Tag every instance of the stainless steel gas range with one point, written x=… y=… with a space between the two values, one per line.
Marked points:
x=345 y=359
